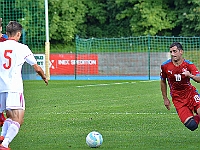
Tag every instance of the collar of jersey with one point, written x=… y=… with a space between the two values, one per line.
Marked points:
x=11 y=39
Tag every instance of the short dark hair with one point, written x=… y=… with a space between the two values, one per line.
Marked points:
x=177 y=44
x=13 y=27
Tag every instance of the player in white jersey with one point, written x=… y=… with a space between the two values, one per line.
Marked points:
x=3 y=38
x=12 y=56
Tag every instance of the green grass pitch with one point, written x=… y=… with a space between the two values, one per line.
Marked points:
x=129 y=114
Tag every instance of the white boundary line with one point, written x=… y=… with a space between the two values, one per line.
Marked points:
x=116 y=113
x=116 y=83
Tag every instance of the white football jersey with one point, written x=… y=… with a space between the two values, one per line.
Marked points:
x=12 y=56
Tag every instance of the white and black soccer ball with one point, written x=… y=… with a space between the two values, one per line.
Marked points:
x=94 y=139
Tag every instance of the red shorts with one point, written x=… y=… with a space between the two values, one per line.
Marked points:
x=187 y=106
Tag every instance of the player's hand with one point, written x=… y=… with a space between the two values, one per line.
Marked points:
x=187 y=73
x=46 y=81
x=167 y=103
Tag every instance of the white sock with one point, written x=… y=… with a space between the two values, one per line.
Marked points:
x=5 y=126
x=11 y=133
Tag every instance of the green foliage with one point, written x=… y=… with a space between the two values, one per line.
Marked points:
x=101 y=18
x=30 y=15
x=129 y=114
x=33 y=22
x=64 y=18
x=60 y=48
x=95 y=17
x=148 y=17
x=188 y=13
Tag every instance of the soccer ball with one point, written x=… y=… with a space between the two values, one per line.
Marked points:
x=94 y=139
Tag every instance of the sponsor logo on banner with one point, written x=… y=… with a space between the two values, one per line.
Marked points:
x=69 y=64
x=40 y=58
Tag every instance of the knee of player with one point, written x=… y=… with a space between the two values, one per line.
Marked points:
x=191 y=124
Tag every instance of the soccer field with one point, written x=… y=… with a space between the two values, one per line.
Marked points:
x=129 y=114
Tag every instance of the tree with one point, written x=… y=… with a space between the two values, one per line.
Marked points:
x=188 y=14
x=30 y=14
x=96 y=17
x=64 y=18
x=147 y=17
x=101 y=19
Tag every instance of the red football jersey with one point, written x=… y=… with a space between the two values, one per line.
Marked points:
x=179 y=84
x=2 y=39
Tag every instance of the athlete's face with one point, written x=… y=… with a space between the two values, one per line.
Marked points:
x=176 y=54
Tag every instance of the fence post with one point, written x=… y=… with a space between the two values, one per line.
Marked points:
x=149 y=49
x=76 y=51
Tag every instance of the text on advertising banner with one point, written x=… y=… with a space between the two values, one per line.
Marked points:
x=65 y=64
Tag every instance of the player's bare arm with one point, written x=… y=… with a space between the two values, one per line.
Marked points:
x=189 y=75
x=39 y=70
x=163 y=85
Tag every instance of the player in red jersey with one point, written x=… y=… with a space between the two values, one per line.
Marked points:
x=3 y=37
x=185 y=97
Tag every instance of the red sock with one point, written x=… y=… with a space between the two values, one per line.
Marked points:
x=197 y=118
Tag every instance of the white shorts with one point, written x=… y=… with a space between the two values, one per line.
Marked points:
x=11 y=100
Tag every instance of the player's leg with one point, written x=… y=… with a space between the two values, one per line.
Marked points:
x=4 y=129
x=196 y=99
x=187 y=118
x=15 y=108
x=17 y=119
x=2 y=108
x=191 y=124
x=197 y=116
x=2 y=118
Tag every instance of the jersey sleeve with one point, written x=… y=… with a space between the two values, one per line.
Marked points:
x=162 y=73
x=29 y=57
x=2 y=39
x=31 y=60
x=193 y=70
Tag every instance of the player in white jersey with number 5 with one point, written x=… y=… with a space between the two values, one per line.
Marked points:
x=12 y=56
x=3 y=37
